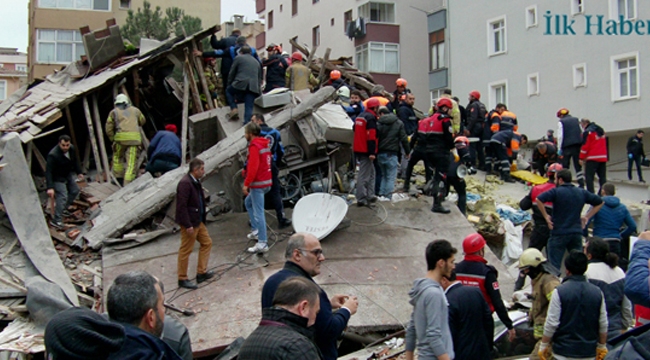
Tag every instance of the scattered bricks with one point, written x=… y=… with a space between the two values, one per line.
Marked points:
x=79 y=214
x=93 y=200
x=72 y=234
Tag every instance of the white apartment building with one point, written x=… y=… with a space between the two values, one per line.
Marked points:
x=538 y=56
x=393 y=46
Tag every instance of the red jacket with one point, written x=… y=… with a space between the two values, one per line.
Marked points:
x=258 y=168
x=594 y=147
x=365 y=133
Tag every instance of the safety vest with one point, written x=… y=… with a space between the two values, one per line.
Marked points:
x=123 y=126
x=298 y=77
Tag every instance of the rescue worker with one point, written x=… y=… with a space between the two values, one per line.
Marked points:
x=505 y=146
x=544 y=155
x=544 y=280
x=493 y=116
x=123 y=128
x=593 y=154
x=276 y=68
x=399 y=95
x=365 y=151
x=474 y=271
x=454 y=113
x=432 y=143
x=298 y=76
x=335 y=80
x=377 y=92
x=407 y=115
x=461 y=143
x=569 y=141
x=635 y=155
x=475 y=120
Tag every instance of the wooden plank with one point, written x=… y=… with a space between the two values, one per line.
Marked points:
x=100 y=137
x=321 y=74
x=91 y=135
x=48 y=133
x=310 y=57
x=196 y=98
x=85 y=165
x=40 y=158
x=198 y=62
x=73 y=136
x=185 y=116
x=29 y=155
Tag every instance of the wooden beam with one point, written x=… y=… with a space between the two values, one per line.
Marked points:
x=204 y=82
x=29 y=154
x=196 y=98
x=48 y=133
x=321 y=74
x=85 y=165
x=40 y=158
x=136 y=87
x=91 y=135
x=186 y=100
x=100 y=137
x=72 y=133
x=310 y=57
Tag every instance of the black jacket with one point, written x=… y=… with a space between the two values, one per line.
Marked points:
x=280 y=335
x=60 y=166
x=390 y=132
x=140 y=345
x=246 y=74
x=571 y=132
x=470 y=323
x=407 y=115
x=276 y=67
x=224 y=44
x=190 y=208
x=434 y=135
x=635 y=146
x=475 y=118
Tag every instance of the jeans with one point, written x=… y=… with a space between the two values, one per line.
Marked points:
x=65 y=194
x=233 y=95
x=255 y=206
x=636 y=159
x=378 y=176
x=558 y=243
x=162 y=165
x=388 y=165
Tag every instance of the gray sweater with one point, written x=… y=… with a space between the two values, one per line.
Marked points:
x=429 y=325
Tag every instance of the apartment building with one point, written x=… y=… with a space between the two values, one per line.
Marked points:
x=391 y=45
x=54 y=37
x=13 y=71
x=538 y=56
x=250 y=30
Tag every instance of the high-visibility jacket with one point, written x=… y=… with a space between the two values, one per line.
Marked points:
x=123 y=125
x=507 y=121
x=299 y=77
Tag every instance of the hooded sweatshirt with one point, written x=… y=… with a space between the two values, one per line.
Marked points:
x=429 y=325
x=611 y=217
x=258 y=167
x=390 y=132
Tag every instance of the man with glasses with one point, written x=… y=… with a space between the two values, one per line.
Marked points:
x=304 y=257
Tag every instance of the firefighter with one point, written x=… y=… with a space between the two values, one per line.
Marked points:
x=475 y=122
x=123 y=128
x=505 y=147
x=494 y=116
x=298 y=76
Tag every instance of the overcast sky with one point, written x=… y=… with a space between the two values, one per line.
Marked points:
x=13 y=26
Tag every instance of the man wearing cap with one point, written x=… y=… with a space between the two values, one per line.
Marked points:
x=164 y=152
x=399 y=95
x=298 y=76
x=569 y=142
x=123 y=128
x=276 y=67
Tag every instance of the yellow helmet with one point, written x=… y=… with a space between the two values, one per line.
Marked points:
x=531 y=257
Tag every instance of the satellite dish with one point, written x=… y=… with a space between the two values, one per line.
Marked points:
x=318 y=214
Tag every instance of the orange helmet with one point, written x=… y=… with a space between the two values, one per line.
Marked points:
x=372 y=103
x=335 y=74
x=444 y=102
x=462 y=139
x=475 y=94
x=473 y=243
x=553 y=168
x=296 y=56
x=401 y=82
x=562 y=112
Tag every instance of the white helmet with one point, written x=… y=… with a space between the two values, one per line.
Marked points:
x=121 y=99
x=343 y=91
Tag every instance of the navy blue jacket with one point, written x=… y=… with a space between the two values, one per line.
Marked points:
x=571 y=132
x=328 y=327
x=470 y=323
x=611 y=217
x=637 y=278
x=568 y=201
x=407 y=115
x=275 y=142
x=164 y=143
x=140 y=345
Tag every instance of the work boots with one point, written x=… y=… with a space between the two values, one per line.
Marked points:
x=437 y=205
x=507 y=178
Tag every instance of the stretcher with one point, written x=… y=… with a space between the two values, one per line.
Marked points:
x=529 y=177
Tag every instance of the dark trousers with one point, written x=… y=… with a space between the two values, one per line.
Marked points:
x=489 y=156
x=440 y=161
x=595 y=168
x=233 y=96
x=476 y=151
x=635 y=160
x=162 y=164
x=557 y=244
x=461 y=189
x=274 y=197
x=540 y=166
x=573 y=153
x=416 y=156
x=502 y=160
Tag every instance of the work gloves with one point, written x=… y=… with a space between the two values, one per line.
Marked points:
x=544 y=351
x=601 y=352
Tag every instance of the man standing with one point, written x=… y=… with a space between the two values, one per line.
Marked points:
x=611 y=218
x=475 y=121
x=577 y=317
x=135 y=300
x=462 y=148
x=284 y=330
x=123 y=128
x=569 y=141
x=258 y=180
x=635 y=154
x=399 y=95
x=407 y=116
x=164 y=151
x=544 y=280
x=365 y=150
x=304 y=256
x=356 y=105
x=566 y=224
x=474 y=271
x=244 y=81
x=428 y=329
x=540 y=234
x=277 y=152
x=298 y=76
x=494 y=116
x=190 y=215
x=545 y=153
x=470 y=320
x=392 y=137
x=276 y=67
x=61 y=180
x=593 y=154
x=223 y=45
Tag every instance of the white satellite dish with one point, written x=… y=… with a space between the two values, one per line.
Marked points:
x=318 y=214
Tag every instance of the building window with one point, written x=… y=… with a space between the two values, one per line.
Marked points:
x=378 y=57
x=531 y=16
x=625 y=8
x=270 y=20
x=435 y=95
x=332 y=22
x=437 y=56
x=315 y=36
x=59 y=46
x=625 y=76
x=347 y=18
x=577 y=7
x=314 y=1
x=533 y=84
x=498 y=91
x=280 y=7
x=76 y=4
x=21 y=67
x=294 y=7
x=3 y=89
x=125 y=4
x=497 y=37
x=378 y=12
x=580 y=75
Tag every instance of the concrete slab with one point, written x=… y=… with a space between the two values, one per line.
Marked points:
x=376 y=258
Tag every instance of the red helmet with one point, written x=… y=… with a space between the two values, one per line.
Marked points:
x=335 y=74
x=473 y=243
x=462 y=139
x=475 y=94
x=296 y=56
x=401 y=82
x=444 y=102
x=553 y=168
x=372 y=103
x=562 y=112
